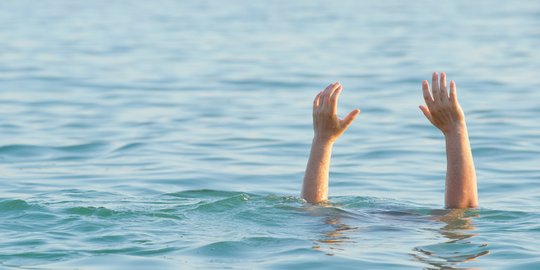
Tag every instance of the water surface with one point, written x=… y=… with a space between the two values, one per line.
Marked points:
x=174 y=134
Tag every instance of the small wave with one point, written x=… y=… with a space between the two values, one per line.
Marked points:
x=91 y=211
x=113 y=261
x=451 y=252
x=20 y=212
x=203 y=193
x=77 y=125
x=223 y=204
x=129 y=146
x=266 y=84
x=505 y=153
x=75 y=151
x=247 y=247
x=13 y=205
x=22 y=150
x=506 y=216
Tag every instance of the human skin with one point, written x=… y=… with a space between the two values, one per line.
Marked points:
x=444 y=112
x=327 y=129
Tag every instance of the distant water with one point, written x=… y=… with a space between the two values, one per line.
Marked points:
x=174 y=134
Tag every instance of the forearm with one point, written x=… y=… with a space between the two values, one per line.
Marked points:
x=461 y=191
x=315 y=186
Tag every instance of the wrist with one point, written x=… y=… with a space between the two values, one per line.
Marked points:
x=457 y=130
x=321 y=140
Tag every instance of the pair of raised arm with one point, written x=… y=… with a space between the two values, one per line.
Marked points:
x=442 y=110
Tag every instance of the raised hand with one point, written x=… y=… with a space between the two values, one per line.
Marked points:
x=444 y=112
x=326 y=124
x=443 y=109
x=328 y=127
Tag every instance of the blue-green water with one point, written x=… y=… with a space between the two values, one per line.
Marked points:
x=174 y=134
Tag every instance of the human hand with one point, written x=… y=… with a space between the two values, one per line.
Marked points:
x=443 y=109
x=327 y=126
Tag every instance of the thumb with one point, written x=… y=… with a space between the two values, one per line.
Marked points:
x=347 y=121
x=426 y=112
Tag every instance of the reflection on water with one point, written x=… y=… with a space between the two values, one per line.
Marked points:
x=449 y=239
x=336 y=236
x=458 y=245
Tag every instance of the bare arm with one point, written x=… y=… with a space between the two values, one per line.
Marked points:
x=445 y=113
x=327 y=128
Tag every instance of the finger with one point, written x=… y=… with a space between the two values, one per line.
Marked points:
x=347 y=121
x=328 y=97
x=333 y=90
x=316 y=100
x=427 y=95
x=453 y=92
x=426 y=112
x=435 y=87
x=442 y=87
x=323 y=99
x=334 y=99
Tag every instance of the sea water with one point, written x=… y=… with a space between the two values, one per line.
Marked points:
x=174 y=134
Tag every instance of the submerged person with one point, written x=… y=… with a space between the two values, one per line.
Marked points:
x=442 y=110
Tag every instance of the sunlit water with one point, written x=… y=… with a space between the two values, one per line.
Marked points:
x=174 y=134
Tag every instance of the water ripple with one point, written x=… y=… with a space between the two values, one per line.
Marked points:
x=178 y=138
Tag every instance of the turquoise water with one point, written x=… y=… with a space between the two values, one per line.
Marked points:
x=174 y=134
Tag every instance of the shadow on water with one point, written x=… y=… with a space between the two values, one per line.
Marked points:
x=458 y=245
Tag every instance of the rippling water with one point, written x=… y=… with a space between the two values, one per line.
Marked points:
x=174 y=134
